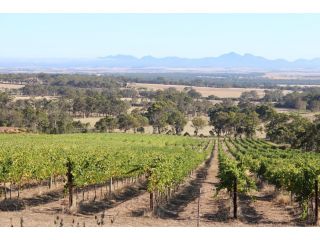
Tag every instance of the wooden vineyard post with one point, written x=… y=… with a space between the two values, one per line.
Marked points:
x=70 y=183
x=151 y=201
x=316 y=201
x=198 y=212
x=5 y=190
x=235 y=207
x=50 y=182
x=110 y=187
x=10 y=190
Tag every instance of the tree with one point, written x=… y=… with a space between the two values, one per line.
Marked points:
x=314 y=105
x=311 y=137
x=220 y=123
x=233 y=120
x=158 y=114
x=177 y=120
x=194 y=94
x=107 y=124
x=265 y=112
x=277 y=129
x=198 y=123
x=4 y=99
x=140 y=121
x=126 y=122
x=272 y=95
x=250 y=95
x=213 y=97
x=300 y=104
x=250 y=123
x=79 y=106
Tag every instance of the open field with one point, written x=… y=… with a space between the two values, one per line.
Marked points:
x=307 y=114
x=10 y=86
x=293 y=76
x=16 y=98
x=205 y=91
x=148 y=129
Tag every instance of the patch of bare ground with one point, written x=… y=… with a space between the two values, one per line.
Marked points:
x=11 y=130
x=264 y=207
x=11 y=86
x=199 y=203
x=50 y=207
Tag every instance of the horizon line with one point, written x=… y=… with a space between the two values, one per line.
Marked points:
x=157 y=57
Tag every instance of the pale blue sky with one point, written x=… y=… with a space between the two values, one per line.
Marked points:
x=288 y=36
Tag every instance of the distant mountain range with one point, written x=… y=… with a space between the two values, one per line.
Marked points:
x=229 y=61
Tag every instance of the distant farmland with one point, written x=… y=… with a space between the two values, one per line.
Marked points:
x=205 y=91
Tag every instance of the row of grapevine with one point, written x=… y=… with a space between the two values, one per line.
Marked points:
x=84 y=160
x=291 y=170
x=232 y=175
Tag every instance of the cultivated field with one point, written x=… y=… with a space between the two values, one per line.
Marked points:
x=180 y=197
x=205 y=91
x=304 y=113
x=10 y=86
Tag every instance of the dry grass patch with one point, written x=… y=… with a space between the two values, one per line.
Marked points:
x=205 y=91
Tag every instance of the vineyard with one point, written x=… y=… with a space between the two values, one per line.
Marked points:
x=154 y=180
x=244 y=162
x=83 y=162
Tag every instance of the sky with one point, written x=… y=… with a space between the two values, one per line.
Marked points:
x=287 y=36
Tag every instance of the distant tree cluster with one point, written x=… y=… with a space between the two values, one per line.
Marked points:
x=231 y=120
x=308 y=99
x=295 y=130
x=124 y=121
x=38 y=116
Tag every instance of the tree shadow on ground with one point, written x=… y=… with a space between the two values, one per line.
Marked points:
x=18 y=204
x=125 y=194
x=222 y=215
x=12 y=205
x=248 y=212
x=44 y=198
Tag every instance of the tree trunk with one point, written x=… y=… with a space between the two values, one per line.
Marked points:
x=316 y=186
x=235 y=207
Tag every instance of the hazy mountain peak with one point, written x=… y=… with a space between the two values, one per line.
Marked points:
x=230 y=55
x=231 y=60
